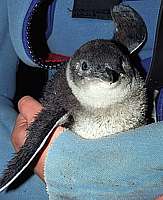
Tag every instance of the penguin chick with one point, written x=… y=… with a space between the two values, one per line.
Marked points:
x=111 y=94
x=99 y=89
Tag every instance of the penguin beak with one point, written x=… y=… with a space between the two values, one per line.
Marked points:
x=111 y=75
x=107 y=74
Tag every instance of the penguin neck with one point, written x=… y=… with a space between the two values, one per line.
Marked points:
x=92 y=123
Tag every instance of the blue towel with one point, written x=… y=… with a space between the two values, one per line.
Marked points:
x=123 y=166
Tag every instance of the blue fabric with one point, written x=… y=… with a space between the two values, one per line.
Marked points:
x=32 y=189
x=146 y=64
x=160 y=106
x=67 y=34
x=16 y=25
x=123 y=166
x=7 y=73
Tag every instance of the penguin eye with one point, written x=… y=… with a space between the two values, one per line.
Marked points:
x=84 y=66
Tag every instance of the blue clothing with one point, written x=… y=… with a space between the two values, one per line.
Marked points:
x=123 y=166
x=67 y=34
x=33 y=188
x=64 y=35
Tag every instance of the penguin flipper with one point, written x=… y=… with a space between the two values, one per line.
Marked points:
x=131 y=30
x=37 y=135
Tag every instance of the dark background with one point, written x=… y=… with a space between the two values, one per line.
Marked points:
x=29 y=81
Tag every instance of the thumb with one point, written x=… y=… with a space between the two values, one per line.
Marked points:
x=29 y=107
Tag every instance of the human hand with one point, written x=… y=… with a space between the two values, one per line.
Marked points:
x=28 y=108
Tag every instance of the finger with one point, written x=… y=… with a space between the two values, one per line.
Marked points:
x=19 y=134
x=29 y=107
x=20 y=121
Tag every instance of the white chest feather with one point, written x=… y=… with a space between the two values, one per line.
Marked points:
x=106 y=108
x=91 y=127
x=107 y=122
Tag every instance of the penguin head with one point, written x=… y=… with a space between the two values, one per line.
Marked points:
x=101 y=70
x=100 y=60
